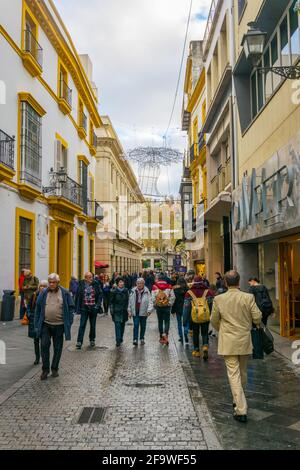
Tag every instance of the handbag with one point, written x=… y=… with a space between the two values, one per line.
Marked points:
x=257 y=343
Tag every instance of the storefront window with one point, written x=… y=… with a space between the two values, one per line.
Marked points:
x=268 y=273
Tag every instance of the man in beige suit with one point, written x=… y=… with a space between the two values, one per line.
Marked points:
x=232 y=315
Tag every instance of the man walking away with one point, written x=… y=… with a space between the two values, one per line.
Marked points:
x=88 y=304
x=119 y=299
x=180 y=289
x=106 y=293
x=53 y=319
x=163 y=298
x=140 y=308
x=232 y=315
x=262 y=298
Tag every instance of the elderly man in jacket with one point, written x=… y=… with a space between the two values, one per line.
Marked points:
x=53 y=319
x=233 y=315
x=140 y=307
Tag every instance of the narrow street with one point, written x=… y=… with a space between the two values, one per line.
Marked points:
x=153 y=398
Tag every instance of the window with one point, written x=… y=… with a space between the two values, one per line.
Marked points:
x=31 y=145
x=80 y=257
x=25 y=244
x=83 y=181
x=283 y=49
x=61 y=156
x=82 y=119
x=91 y=196
x=65 y=92
x=241 y=7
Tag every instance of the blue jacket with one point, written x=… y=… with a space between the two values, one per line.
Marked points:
x=68 y=312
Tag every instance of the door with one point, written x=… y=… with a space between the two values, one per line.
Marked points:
x=290 y=288
x=62 y=257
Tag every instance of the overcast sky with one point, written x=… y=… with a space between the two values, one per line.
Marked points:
x=136 y=47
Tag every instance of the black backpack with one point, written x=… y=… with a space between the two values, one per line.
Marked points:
x=263 y=300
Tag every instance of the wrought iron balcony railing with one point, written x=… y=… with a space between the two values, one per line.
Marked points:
x=94 y=140
x=67 y=189
x=95 y=210
x=228 y=172
x=201 y=141
x=65 y=92
x=193 y=152
x=33 y=47
x=7 y=150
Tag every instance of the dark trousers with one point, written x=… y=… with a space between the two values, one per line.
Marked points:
x=163 y=315
x=139 y=324
x=179 y=325
x=37 y=349
x=57 y=335
x=197 y=327
x=22 y=306
x=119 y=328
x=87 y=313
x=106 y=301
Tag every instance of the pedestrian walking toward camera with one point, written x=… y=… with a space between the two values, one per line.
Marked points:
x=73 y=287
x=163 y=299
x=53 y=319
x=140 y=308
x=198 y=303
x=88 y=305
x=233 y=315
x=119 y=300
x=262 y=298
x=31 y=328
x=180 y=290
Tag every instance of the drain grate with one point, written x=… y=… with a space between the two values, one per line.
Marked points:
x=93 y=415
x=145 y=385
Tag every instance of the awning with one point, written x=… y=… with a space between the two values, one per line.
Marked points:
x=100 y=265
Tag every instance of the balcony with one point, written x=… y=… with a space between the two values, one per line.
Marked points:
x=220 y=200
x=65 y=98
x=94 y=143
x=201 y=141
x=95 y=215
x=32 y=54
x=214 y=187
x=65 y=194
x=82 y=129
x=213 y=16
x=7 y=150
x=186 y=115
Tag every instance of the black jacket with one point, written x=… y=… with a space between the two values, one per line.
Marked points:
x=79 y=299
x=118 y=303
x=262 y=299
x=179 y=299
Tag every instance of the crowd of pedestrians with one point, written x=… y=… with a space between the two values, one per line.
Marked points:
x=200 y=310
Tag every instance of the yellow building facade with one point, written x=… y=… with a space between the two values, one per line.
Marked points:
x=266 y=214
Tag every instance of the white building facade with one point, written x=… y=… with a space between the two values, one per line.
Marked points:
x=48 y=117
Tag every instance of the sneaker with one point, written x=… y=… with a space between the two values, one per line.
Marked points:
x=78 y=345
x=55 y=374
x=165 y=340
x=44 y=376
x=135 y=342
x=92 y=344
x=180 y=340
x=36 y=362
x=191 y=333
x=196 y=354
x=205 y=353
x=118 y=345
x=142 y=342
x=161 y=340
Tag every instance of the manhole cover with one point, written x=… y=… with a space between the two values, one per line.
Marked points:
x=145 y=385
x=92 y=416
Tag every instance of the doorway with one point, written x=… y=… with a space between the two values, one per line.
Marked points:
x=290 y=287
x=63 y=257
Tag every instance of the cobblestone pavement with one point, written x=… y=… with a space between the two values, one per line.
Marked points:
x=149 y=393
x=273 y=395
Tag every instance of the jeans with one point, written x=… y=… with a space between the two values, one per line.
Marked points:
x=163 y=315
x=179 y=325
x=204 y=333
x=87 y=313
x=57 y=334
x=37 y=349
x=106 y=301
x=120 y=328
x=22 y=306
x=139 y=323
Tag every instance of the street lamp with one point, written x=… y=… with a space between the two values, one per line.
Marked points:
x=62 y=176
x=254 y=43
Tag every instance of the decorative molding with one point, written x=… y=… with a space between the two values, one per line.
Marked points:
x=24 y=96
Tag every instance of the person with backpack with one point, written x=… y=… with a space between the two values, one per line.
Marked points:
x=163 y=298
x=198 y=304
x=180 y=289
x=262 y=298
